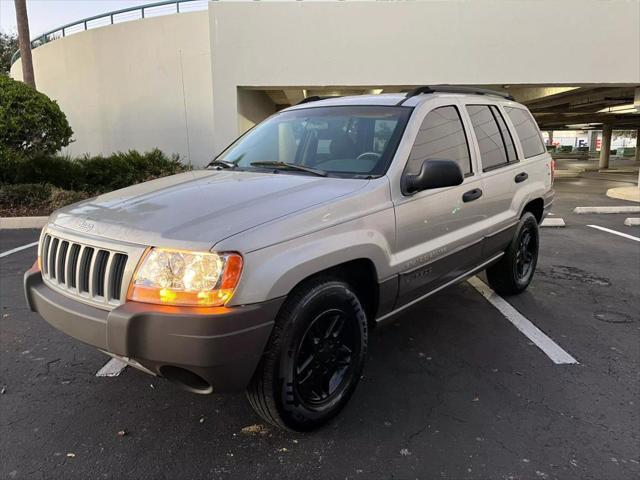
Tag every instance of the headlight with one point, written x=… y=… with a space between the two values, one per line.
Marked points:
x=179 y=277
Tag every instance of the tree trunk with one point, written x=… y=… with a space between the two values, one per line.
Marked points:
x=24 y=41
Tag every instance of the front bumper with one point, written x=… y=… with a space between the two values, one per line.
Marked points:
x=222 y=345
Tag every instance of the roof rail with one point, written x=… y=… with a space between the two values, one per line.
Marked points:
x=316 y=98
x=425 y=89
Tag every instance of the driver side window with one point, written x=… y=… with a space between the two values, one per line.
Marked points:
x=441 y=136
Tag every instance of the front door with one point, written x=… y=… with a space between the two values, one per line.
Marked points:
x=439 y=232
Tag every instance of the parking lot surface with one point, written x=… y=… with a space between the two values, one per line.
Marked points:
x=451 y=388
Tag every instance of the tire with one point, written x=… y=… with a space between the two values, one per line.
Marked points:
x=513 y=273
x=314 y=358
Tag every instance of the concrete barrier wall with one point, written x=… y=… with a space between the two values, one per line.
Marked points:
x=134 y=85
x=420 y=42
x=183 y=83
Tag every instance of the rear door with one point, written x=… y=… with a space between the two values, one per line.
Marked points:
x=496 y=150
x=438 y=235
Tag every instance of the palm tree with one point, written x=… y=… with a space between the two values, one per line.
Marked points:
x=24 y=41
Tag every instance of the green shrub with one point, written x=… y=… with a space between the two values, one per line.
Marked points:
x=13 y=196
x=89 y=174
x=35 y=199
x=30 y=122
x=60 y=198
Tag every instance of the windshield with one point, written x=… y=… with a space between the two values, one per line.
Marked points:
x=347 y=141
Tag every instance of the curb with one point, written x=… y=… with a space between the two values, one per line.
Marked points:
x=567 y=173
x=556 y=222
x=7 y=223
x=613 y=209
x=631 y=194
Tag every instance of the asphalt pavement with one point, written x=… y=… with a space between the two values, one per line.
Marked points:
x=451 y=388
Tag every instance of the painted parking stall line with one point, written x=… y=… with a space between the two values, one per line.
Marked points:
x=533 y=333
x=17 y=249
x=112 y=368
x=615 y=232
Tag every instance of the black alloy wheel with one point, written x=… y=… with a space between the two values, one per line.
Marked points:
x=314 y=358
x=324 y=358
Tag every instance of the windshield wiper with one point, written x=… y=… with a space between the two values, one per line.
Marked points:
x=290 y=166
x=221 y=163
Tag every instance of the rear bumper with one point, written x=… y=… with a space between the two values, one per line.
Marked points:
x=222 y=345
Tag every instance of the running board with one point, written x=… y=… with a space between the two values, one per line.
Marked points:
x=458 y=279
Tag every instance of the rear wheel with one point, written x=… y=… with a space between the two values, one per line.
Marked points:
x=314 y=358
x=514 y=272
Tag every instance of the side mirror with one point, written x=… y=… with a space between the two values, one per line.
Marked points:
x=434 y=173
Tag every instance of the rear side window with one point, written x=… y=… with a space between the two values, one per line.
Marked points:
x=441 y=136
x=527 y=131
x=491 y=141
x=506 y=135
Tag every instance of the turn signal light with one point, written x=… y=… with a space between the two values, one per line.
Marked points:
x=181 y=277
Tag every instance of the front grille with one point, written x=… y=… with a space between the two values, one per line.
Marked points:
x=93 y=273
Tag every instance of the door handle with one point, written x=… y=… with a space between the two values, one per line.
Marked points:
x=521 y=177
x=472 y=195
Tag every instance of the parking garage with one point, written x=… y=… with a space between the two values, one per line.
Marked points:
x=466 y=385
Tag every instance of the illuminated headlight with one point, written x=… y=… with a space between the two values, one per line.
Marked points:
x=180 y=277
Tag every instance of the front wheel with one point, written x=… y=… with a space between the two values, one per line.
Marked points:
x=514 y=272
x=314 y=358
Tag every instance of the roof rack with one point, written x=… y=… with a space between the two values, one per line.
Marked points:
x=425 y=89
x=315 y=98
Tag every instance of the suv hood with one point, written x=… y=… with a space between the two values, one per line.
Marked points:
x=200 y=208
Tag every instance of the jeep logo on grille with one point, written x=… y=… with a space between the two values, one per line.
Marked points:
x=85 y=226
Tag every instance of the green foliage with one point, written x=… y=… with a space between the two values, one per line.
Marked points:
x=35 y=199
x=30 y=122
x=123 y=169
x=89 y=174
x=12 y=196
x=60 y=198
x=8 y=46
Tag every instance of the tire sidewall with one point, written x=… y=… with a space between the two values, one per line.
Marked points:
x=528 y=221
x=319 y=299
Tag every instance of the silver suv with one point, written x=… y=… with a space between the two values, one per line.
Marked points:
x=266 y=270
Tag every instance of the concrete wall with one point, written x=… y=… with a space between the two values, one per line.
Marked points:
x=253 y=107
x=422 y=42
x=127 y=86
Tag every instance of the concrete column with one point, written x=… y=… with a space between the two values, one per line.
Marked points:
x=550 y=141
x=605 y=147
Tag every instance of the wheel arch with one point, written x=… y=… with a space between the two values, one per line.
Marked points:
x=536 y=207
x=361 y=275
x=360 y=257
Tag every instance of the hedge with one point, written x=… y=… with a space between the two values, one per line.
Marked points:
x=43 y=183
x=27 y=199
x=89 y=174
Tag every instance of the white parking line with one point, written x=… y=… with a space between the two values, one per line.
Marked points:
x=112 y=368
x=17 y=249
x=533 y=333
x=615 y=232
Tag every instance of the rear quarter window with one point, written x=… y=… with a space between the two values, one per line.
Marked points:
x=527 y=131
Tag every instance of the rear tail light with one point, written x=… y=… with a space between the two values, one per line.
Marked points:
x=552 y=166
